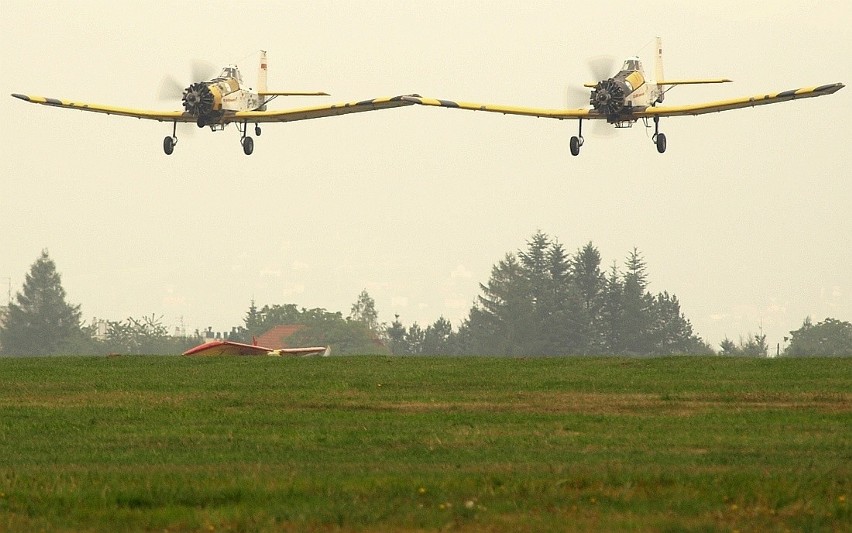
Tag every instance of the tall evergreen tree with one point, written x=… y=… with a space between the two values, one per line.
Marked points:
x=40 y=321
x=636 y=320
x=437 y=338
x=414 y=339
x=567 y=328
x=536 y=270
x=540 y=301
x=671 y=332
x=364 y=311
x=545 y=270
x=612 y=310
x=396 y=336
x=590 y=284
x=503 y=318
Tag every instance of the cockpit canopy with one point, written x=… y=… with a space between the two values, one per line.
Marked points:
x=632 y=64
x=231 y=71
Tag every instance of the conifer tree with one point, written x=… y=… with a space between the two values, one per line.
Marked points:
x=40 y=322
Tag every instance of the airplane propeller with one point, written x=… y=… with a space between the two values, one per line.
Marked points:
x=601 y=67
x=172 y=89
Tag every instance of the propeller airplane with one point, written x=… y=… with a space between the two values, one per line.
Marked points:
x=226 y=99
x=628 y=96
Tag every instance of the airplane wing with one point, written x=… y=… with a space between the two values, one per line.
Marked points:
x=659 y=111
x=220 y=348
x=214 y=348
x=162 y=116
x=510 y=110
x=329 y=110
x=738 y=103
x=286 y=115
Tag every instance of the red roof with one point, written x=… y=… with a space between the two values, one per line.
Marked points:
x=276 y=337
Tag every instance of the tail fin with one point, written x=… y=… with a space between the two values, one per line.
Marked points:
x=658 y=69
x=261 y=74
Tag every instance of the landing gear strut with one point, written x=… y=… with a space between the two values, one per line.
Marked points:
x=245 y=140
x=170 y=142
x=659 y=138
x=577 y=141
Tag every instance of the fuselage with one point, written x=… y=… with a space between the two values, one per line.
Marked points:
x=618 y=96
x=209 y=100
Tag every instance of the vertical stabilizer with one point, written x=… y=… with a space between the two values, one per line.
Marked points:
x=261 y=74
x=658 y=68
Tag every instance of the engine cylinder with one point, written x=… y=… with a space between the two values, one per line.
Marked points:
x=198 y=100
x=609 y=96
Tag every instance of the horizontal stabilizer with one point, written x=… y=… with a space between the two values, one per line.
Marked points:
x=694 y=82
x=292 y=93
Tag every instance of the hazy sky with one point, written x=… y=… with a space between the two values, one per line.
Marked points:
x=747 y=218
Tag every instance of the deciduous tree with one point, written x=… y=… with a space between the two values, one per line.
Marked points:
x=829 y=337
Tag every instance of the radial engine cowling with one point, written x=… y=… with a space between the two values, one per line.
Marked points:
x=198 y=99
x=608 y=97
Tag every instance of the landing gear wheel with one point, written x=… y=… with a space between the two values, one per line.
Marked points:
x=575 y=144
x=200 y=122
x=661 y=142
x=169 y=145
x=257 y=131
x=248 y=145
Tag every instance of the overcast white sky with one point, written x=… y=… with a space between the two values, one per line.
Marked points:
x=746 y=218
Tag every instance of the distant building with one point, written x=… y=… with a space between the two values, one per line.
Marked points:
x=277 y=336
x=101 y=326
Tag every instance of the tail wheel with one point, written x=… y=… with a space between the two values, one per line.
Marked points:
x=661 y=142
x=169 y=145
x=248 y=145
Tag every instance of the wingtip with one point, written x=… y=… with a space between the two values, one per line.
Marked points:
x=830 y=88
x=21 y=96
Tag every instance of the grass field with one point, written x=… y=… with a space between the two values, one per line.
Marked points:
x=424 y=444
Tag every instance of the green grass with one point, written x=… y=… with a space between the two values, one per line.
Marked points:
x=422 y=444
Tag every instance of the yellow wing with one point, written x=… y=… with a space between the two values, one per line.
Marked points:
x=738 y=103
x=162 y=116
x=637 y=113
x=510 y=110
x=286 y=115
x=328 y=110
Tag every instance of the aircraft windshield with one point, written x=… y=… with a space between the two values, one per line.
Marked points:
x=231 y=72
x=632 y=64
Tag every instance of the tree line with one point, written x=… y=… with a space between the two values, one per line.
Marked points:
x=539 y=300
x=542 y=300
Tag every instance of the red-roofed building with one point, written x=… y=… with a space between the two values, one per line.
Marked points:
x=276 y=337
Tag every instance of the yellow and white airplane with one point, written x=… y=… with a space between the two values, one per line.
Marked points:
x=225 y=99
x=628 y=96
